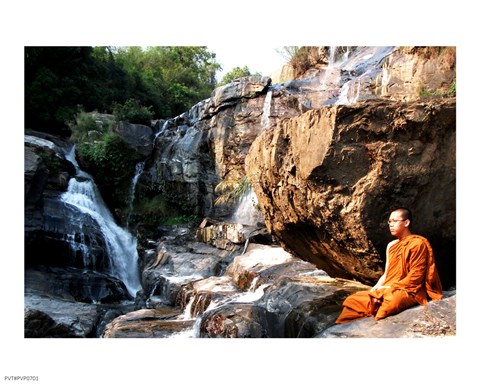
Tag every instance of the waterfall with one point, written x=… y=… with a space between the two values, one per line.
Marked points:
x=267 y=106
x=331 y=56
x=366 y=63
x=138 y=172
x=247 y=211
x=160 y=131
x=83 y=195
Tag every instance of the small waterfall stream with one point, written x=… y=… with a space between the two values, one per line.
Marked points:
x=247 y=212
x=83 y=195
x=267 y=105
x=367 y=62
x=253 y=294
x=138 y=172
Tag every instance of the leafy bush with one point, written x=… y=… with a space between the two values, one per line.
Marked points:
x=231 y=190
x=112 y=163
x=87 y=128
x=236 y=73
x=133 y=112
x=452 y=91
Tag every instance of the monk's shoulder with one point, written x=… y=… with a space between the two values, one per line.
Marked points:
x=420 y=243
x=417 y=240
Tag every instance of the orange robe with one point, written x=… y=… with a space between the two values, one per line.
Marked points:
x=411 y=275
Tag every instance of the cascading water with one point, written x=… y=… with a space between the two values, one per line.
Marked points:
x=247 y=212
x=365 y=64
x=160 y=131
x=253 y=294
x=138 y=172
x=333 y=60
x=82 y=194
x=267 y=105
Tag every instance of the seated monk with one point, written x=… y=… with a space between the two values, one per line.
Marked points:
x=410 y=275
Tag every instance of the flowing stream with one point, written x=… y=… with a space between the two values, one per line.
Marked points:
x=121 y=246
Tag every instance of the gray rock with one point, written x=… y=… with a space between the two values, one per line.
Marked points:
x=48 y=316
x=436 y=319
x=138 y=136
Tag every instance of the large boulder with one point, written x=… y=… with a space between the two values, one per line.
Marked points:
x=50 y=316
x=138 y=136
x=327 y=180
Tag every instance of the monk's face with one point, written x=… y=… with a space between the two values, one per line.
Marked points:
x=397 y=224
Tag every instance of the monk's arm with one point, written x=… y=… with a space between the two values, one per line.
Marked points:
x=383 y=277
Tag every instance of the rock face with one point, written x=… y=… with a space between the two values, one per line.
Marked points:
x=196 y=150
x=139 y=137
x=328 y=179
x=437 y=318
x=362 y=131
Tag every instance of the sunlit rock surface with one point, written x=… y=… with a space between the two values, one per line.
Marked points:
x=327 y=181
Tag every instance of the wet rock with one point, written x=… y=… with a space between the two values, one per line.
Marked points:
x=301 y=306
x=235 y=321
x=222 y=234
x=139 y=137
x=180 y=262
x=80 y=285
x=48 y=316
x=263 y=264
x=147 y=323
x=195 y=298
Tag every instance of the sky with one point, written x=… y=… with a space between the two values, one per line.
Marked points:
x=258 y=58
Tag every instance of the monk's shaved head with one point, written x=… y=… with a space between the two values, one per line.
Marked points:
x=406 y=214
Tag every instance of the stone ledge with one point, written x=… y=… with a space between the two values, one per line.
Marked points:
x=436 y=319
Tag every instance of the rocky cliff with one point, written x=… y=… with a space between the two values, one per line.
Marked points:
x=328 y=179
x=361 y=131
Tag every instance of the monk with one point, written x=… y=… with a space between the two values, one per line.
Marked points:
x=410 y=275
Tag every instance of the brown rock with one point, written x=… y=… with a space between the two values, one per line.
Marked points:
x=147 y=323
x=327 y=180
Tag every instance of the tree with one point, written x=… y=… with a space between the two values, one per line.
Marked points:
x=236 y=73
x=57 y=81
x=175 y=78
x=62 y=81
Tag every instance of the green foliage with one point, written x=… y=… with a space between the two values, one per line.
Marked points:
x=181 y=219
x=112 y=162
x=159 y=210
x=62 y=81
x=236 y=73
x=231 y=190
x=172 y=78
x=133 y=112
x=87 y=128
x=452 y=90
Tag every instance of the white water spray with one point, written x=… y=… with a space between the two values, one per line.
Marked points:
x=247 y=212
x=267 y=106
x=138 y=172
x=367 y=63
x=83 y=194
